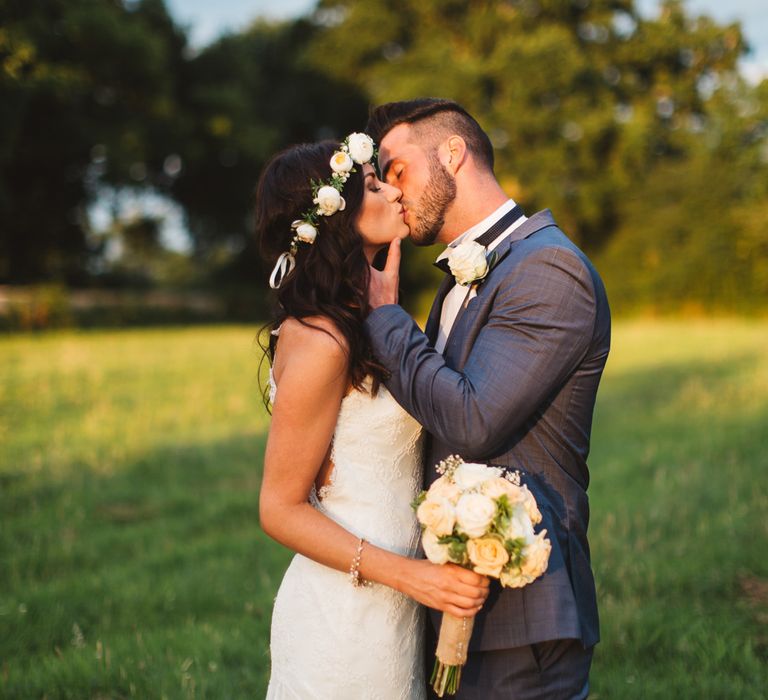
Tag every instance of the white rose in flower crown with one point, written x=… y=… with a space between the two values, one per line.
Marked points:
x=469 y=475
x=329 y=200
x=436 y=514
x=474 y=513
x=468 y=262
x=306 y=232
x=341 y=162
x=360 y=147
x=536 y=556
x=488 y=555
x=436 y=553
x=444 y=488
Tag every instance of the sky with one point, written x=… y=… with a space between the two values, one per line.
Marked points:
x=206 y=19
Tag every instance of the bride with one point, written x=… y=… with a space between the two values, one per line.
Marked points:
x=343 y=460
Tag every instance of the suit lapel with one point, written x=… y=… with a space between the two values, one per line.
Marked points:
x=535 y=223
x=538 y=221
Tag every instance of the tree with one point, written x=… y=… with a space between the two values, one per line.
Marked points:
x=615 y=121
x=87 y=93
x=108 y=95
x=588 y=104
x=244 y=97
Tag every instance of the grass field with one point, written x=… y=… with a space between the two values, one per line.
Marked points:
x=132 y=564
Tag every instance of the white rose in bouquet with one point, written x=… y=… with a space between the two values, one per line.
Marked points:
x=513 y=579
x=436 y=553
x=329 y=200
x=474 y=513
x=488 y=555
x=536 y=556
x=360 y=147
x=529 y=503
x=437 y=514
x=469 y=475
x=499 y=486
x=519 y=527
x=468 y=262
x=445 y=488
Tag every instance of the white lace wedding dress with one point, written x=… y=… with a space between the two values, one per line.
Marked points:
x=330 y=640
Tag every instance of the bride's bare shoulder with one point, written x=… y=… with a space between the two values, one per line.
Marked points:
x=313 y=334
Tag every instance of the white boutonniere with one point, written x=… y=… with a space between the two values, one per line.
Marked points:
x=470 y=263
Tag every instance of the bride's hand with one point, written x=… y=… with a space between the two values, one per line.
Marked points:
x=382 y=286
x=447 y=587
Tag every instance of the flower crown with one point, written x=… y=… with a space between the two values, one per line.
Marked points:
x=356 y=148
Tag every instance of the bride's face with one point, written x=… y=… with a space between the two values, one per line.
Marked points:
x=381 y=217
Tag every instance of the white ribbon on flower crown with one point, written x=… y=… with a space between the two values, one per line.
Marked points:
x=283 y=267
x=356 y=148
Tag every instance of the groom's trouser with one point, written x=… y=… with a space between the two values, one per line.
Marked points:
x=556 y=670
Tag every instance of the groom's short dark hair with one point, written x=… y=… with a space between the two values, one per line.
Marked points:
x=434 y=114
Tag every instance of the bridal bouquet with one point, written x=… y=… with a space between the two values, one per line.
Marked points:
x=478 y=517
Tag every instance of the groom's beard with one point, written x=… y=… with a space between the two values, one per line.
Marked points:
x=433 y=204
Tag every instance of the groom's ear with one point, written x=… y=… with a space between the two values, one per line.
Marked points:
x=452 y=153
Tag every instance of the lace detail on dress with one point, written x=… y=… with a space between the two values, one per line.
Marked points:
x=325 y=489
x=330 y=640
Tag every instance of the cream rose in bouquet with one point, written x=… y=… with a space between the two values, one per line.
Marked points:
x=478 y=517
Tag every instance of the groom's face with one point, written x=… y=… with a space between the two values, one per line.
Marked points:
x=428 y=188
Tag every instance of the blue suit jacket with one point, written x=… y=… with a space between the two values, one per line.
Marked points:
x=516 y=386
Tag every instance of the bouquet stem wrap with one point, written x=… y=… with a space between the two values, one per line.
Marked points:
x=451 y=655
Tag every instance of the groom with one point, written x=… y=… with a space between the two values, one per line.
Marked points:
x=506 y=373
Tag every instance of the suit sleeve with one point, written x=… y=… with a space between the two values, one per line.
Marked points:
x=538 y=331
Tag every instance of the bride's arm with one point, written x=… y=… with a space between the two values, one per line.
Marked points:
x=313 y=380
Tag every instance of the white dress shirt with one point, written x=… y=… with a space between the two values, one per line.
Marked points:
x=455 y=298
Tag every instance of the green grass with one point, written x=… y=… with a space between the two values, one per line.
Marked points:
x=679 y=498
x=132 y=565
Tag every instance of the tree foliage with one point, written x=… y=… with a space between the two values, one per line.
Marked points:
x=613 y=120
x=87 y=94
x=637 y=132
x=246 y=96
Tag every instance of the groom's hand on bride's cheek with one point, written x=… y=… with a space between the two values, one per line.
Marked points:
x=383 y=286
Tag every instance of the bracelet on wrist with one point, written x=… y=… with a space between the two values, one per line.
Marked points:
x=354 y=569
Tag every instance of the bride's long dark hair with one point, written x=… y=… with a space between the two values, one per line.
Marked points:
x=331 y=275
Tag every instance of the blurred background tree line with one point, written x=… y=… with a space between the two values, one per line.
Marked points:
x=639 y=133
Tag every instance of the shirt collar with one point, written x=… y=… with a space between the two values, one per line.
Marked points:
x=479 y=228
